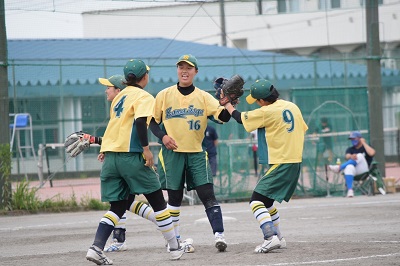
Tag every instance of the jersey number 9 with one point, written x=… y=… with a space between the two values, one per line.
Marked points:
x=288 y=119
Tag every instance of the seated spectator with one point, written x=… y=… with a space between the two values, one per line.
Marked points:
x=359 y=158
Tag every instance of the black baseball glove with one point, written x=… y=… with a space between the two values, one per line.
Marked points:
x=229 y=90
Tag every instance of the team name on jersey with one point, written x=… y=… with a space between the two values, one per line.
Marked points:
x=183 y=112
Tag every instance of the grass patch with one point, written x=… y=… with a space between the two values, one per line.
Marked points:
x=25 y=200
x=94 y=204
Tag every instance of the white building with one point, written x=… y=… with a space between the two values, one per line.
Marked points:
x=324 y=28
x=327 y=28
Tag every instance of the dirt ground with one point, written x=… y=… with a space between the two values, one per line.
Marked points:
x=319 y=231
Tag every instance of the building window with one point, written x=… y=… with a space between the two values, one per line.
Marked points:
x=328 y=4
x=93 y=109
x=294 y=5
x=335 y=3
x=240 y=43
x=281 y=6
x=288 y=6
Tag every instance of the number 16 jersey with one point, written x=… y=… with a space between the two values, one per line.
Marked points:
x=185 y=116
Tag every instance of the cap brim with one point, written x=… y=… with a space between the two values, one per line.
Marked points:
x=106 y=82
x=250 y=99
x=190 y=63
x=147 y=68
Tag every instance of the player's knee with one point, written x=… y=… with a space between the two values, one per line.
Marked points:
x=156 y=200
x=175 y=197
x=118 y=207
x=206 y=195
x=258 y=197
x=131 y=199
x=209 y=203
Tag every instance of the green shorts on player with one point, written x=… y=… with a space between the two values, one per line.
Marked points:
x=173 y=164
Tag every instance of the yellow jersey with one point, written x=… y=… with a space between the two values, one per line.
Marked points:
x=185 y=116
x=121 y=134
x=284 y=130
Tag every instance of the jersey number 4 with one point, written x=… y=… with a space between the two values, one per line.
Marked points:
x=119 y=107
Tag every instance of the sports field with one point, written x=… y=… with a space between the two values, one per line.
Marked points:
x=319 y=231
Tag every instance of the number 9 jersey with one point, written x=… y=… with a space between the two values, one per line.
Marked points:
x=284 y=130
x=185 y=116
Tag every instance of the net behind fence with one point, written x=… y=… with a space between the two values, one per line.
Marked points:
x=330 y=113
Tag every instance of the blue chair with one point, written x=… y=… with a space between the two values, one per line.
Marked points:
x=22 y=122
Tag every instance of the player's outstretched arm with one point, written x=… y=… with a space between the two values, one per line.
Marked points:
x=79 y=141
x=234 y=113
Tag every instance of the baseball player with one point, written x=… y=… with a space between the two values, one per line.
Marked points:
x=183 y=110
x=115 y=84
x=284 y=129
x=127 y=167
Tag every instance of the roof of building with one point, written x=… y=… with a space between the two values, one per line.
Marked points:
x=83 y=61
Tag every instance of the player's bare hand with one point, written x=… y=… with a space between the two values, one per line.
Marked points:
x=101 y=157
x=169 y=143
x=148 y=156
x=354 y=157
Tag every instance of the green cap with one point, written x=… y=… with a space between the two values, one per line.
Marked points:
x=117 y=81
x=260 y=89
x=136 y=67
x=188 y=58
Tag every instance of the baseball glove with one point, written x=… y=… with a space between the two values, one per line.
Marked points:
x=231 y=89
x=76 y=143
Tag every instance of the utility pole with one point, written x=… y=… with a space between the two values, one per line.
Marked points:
x=223 y=29
x=5 y=195
x=374 y=83
x=4 y=118
x=259 y=7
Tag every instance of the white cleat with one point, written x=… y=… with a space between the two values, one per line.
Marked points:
x=220 y=242
x=187 y=245
x=177 y=253
x=268 y=245
x=116 y=246
x=97 y=256
x=283 y=242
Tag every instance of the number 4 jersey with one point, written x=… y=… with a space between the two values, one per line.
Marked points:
x=121 y=134
x=284 y=130
x=185 y=116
